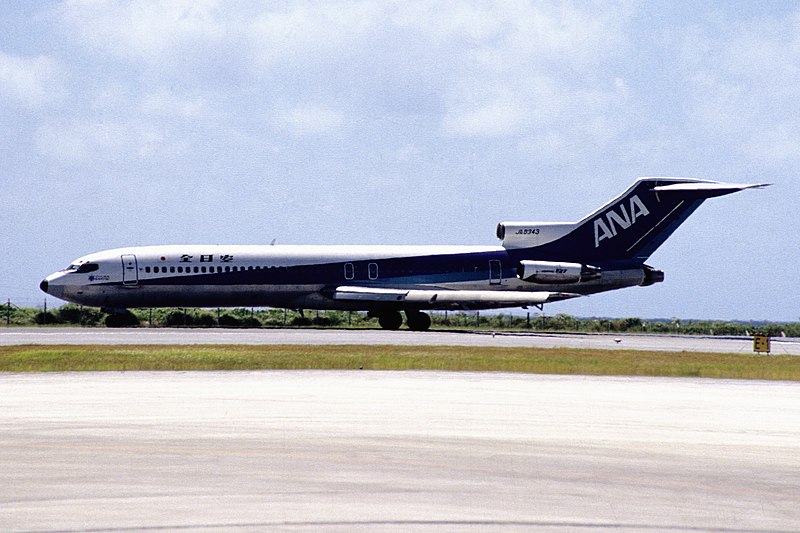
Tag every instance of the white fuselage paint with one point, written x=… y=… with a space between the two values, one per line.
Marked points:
x=140 y=276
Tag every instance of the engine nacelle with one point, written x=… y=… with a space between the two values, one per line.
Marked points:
x=651 y=276
x=552 y=272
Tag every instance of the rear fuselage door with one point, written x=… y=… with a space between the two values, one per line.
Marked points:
x=130 y=270
x=495 y=272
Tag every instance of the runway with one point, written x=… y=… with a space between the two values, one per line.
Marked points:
x=411 y=451
x=674 y=343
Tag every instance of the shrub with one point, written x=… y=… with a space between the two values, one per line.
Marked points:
x=48 y=317
x=229 y=321
x=177 y=318
x=251 y=322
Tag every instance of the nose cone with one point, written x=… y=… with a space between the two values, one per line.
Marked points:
x=53 y=285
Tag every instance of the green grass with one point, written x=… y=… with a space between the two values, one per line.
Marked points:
x=453 y=358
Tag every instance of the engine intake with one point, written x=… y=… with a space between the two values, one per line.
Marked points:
x=552 y=272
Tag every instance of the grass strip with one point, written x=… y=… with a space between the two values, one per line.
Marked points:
x=453 y=358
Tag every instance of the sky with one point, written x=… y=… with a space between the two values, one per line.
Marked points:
x=134 y=122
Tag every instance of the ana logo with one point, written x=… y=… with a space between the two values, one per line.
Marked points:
x=621 y=217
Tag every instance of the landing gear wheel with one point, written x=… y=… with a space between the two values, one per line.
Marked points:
x=418 y=321
x=390 y=320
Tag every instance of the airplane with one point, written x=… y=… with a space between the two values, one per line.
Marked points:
x=536 y=263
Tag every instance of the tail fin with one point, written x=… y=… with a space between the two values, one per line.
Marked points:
x=630 y=227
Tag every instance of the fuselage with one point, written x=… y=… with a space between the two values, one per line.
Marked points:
x=303 y=276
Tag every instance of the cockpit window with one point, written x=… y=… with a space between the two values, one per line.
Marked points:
x=81 y=268
x=88 y=267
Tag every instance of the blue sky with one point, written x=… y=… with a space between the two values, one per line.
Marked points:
x=136 y=122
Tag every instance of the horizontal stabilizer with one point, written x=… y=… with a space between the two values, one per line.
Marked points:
x=449 y=299
x=709 y=186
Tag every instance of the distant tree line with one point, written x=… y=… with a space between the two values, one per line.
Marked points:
x=75 y=315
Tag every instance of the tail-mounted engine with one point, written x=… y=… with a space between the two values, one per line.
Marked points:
x=551 y=272
x=651 y=276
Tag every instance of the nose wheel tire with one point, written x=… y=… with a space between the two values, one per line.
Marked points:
x=418 y=321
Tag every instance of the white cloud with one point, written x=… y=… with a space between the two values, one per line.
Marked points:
x=142 y=29
x=74 y=142
x=490 y=119
x=743 y=87
x=163 y=102
x=97 y=141
x=775 y=144
x=534 y=69
x=310 y=120
x=486 y=69
x=303 y=32
x=31 y=82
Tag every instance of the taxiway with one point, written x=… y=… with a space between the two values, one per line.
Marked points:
x=674 y=343
x=412 y=451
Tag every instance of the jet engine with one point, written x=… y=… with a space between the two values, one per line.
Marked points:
x=552 y=272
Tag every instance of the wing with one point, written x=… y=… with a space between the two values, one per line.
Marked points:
x=448 y=299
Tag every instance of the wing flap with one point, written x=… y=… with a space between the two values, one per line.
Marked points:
x=369 y=294
x=449 y=299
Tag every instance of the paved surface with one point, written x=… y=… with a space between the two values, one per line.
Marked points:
x=410 y=451
x=676 y=343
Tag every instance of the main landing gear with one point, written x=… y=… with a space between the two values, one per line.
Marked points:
x=415 y=320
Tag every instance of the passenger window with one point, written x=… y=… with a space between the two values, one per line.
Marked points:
x=373 y=270
x=172 y=270
x=180 y=270
x=147 y=269
x=196 y=270
x=349 y=271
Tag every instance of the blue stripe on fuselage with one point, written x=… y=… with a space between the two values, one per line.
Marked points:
x=429 y=269
x=396 y=271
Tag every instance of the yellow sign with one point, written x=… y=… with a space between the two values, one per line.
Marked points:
x=760 y=343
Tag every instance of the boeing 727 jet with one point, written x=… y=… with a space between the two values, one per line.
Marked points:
x=536 y=263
